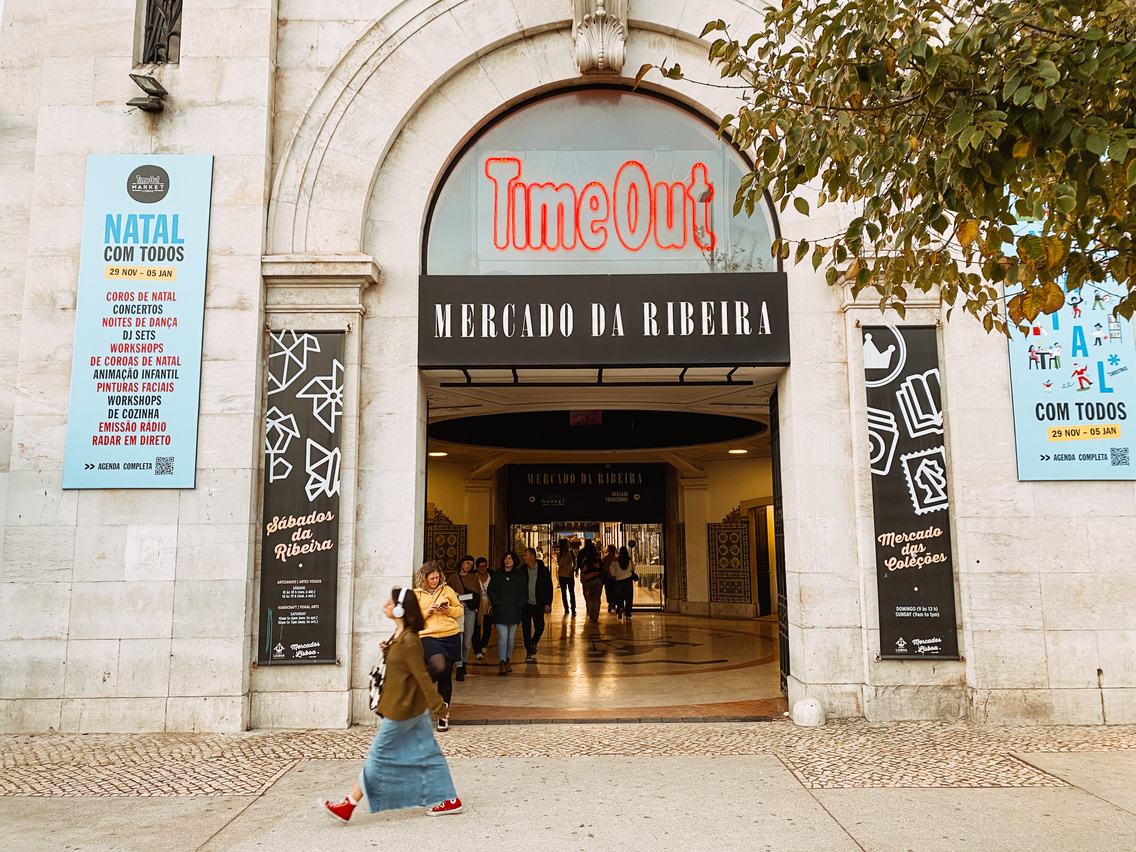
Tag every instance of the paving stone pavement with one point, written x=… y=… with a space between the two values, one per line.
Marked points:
x=841 y=755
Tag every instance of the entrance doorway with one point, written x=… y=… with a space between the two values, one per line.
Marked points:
x=697 y=646
x=646 y=544
x=599 y=334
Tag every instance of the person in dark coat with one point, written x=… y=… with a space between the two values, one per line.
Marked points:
x=538 y=601
x=508 y=592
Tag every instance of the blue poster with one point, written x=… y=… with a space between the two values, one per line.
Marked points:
x=1073 y=377
x=136 y=369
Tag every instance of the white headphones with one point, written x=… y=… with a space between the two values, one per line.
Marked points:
x=399 y=611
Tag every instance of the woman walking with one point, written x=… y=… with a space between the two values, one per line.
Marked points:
x=508 y=594
x=441 y=637
x=464 y=582
x=404 y=768
x=484 y=625
x=592 y=577
x=623 y=582
x=566 y=574
x=609 y=558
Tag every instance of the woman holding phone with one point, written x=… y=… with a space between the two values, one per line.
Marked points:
x=404 y=768
x=441 y=637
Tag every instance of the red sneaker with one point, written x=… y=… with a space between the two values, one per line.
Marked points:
x=340 y=811
x=451 y=806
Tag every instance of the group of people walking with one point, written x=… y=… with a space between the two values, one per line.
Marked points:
x=613 y=574
x=439 y=624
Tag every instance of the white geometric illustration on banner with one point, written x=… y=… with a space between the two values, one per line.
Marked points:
x=322 y=466
x=292 y=359
x=883 y=435
x=876 y=360
x=926 y=473
x=916 y=398
x=279 y=430
x=326 y=394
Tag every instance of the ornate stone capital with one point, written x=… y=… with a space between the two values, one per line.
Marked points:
x=317 y=283
x=601 y=32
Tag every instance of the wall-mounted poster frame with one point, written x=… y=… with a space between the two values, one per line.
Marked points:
x=139 y=315
x=302 y=465
x=910 y=503
x=1073 y=381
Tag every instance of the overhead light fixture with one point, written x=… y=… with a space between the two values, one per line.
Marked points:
x=738 y=452
x=437 y=455
x=154 y=90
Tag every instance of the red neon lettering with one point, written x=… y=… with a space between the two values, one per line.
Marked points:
x=518 y=215
x=633 y=187
x=552 y=216
x=504 y=172
x=701 y=191
x=670 y=229
x=591 y=214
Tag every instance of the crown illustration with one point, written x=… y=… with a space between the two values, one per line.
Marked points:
x=874 y=359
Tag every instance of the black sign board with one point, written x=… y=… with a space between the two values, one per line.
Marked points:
x=728 y=319
x=909 y=494
x=630 y=493
x=300 y=533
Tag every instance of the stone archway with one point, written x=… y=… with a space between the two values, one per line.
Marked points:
x=348 y=206
x=437 y=71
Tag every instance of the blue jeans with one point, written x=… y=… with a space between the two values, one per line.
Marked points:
x=506 y=635
x=467 y=633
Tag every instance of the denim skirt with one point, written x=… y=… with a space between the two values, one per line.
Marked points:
x=404 y=767
x=448 y=646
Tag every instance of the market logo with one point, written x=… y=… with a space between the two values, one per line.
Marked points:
x=148 y=184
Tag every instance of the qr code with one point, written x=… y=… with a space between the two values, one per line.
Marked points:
x=1119 y=456
x=164 y=466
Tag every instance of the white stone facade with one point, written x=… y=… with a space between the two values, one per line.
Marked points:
x=331 y=123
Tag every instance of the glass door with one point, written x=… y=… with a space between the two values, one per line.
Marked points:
x=645 y=542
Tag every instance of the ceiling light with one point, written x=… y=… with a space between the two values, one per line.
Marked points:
x=737 y=452
x=437 y=455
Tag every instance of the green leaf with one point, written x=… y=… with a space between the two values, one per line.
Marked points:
x=712 y=26
x=957 y=122
x=801 y=205
x=1118 y=149
x=1048 y=72
x=1097 y=143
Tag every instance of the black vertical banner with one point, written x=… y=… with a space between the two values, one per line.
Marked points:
x=300 y=532
x=914 y=566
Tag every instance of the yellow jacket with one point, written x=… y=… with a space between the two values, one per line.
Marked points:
x=441 y=624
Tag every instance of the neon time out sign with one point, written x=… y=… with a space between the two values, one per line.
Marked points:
x=630 y=209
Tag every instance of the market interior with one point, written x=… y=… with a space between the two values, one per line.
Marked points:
x=690 y=650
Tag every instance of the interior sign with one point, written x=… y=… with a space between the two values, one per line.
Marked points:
x=729 y=319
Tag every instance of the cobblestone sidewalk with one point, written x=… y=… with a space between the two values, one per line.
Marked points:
x=844 y=754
